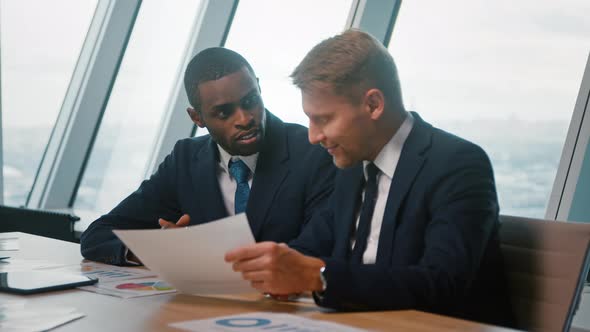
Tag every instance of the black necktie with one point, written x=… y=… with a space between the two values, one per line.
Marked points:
x=367 y=208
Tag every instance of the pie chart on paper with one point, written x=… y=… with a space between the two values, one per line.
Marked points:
x=146 y=286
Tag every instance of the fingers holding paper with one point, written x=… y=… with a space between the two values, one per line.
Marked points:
x=275 y=268
x=182 y=222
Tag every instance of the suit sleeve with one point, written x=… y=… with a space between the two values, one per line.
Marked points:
x=316 y=238
x=463 y=207
x=320 y=184
x=155 y=198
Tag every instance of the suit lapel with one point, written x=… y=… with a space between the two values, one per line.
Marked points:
x=271 y=170
x=203 y=169
x=409 y=165
x=346 y=209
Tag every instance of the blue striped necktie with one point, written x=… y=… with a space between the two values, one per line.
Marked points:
x=240 y=173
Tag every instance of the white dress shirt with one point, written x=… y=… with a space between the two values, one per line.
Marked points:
x=227 y=183
x=386 y=162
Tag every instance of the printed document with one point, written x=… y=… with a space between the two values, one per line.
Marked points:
x=191 y=258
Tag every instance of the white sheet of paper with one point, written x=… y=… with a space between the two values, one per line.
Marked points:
x=18 y=317
x=191 y=258
x=261 y=321
x=21 y=264
x=9 y=244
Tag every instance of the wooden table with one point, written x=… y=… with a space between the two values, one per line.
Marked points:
x=154 y=313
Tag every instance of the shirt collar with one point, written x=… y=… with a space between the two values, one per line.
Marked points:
x=225 y=157
x=388 y=157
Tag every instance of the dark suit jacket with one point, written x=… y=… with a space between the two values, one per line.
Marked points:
x=293 y=178
x=438 y=247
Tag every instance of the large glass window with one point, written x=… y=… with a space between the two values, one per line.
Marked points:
x=502 y=74
x=274 y=36
x=39 y=49
x=140 y=97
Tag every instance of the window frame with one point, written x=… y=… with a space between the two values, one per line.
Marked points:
x=210 y=29
x=1 y=153
x=575 y=158
x=376 y=17
x=70 y=145
x=72 y=137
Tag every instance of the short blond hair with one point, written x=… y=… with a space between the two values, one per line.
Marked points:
x=350 y=63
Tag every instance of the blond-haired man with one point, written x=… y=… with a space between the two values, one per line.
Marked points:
x=413 y=218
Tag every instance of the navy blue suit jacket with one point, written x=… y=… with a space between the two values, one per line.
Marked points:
x=438 y=247
x=292 y=180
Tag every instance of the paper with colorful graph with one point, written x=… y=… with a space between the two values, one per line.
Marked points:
x=119 y=281
x=191 y=258
x=132 y=288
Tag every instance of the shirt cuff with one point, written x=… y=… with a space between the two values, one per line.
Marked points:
x=126 y=256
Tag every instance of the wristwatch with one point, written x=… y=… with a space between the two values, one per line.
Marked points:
x=323 y=278
x=318 y=296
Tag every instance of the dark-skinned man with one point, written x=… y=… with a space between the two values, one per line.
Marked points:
x=250 y=162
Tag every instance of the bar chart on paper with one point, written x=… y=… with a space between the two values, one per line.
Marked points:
x=111 y=273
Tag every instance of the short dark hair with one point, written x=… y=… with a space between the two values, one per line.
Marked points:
x=350 y=63
x=209 y=65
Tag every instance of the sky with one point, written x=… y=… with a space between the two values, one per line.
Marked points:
x=39 y=49
x=499 y=56
x=497 y=59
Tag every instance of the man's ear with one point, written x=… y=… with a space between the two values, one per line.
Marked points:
x=195 y=117
x=375 y=103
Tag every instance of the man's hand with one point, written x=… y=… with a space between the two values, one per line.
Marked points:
x=276 y=269
x=182 y=222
